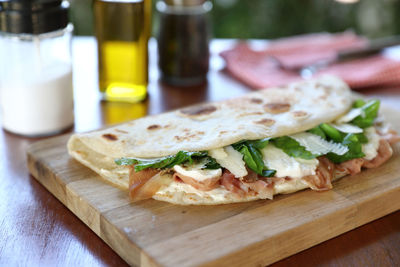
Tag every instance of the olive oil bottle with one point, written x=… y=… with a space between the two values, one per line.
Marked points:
x=122 y=31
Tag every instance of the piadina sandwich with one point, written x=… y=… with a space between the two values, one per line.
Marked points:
x=273 y=141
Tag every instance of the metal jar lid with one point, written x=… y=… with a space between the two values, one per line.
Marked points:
x=33 y=16
x=184 y=7
x=184 y=2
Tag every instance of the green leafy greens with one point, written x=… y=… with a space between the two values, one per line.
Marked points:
x=292 y=147
x=253 y=157
x=318 y=131
x=369 y=111
x=168 y=162
x=331 y=132
x=211 y=164
x=355 y=149
x=352 y=141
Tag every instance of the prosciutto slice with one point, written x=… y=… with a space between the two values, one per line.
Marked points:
x=354 y=166
x=250 y=187
x=384 y=153
x=232 y=184
x=261 y=188
x=351 y=167
x=322 y=180
x=391 y=137
x=144 y=184
x=205 y=185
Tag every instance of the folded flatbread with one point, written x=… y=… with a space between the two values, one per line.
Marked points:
x=268 y=142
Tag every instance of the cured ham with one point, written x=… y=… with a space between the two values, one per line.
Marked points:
x=261 y=188
x=390 y=136
x=384 y=153
x=251 y=186
x=387 y=133
x=143 y=184
x=232 y=184
x=351 y=167
x=322 y=180
x=205 y=185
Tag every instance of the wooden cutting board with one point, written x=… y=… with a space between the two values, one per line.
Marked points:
x=152 y=233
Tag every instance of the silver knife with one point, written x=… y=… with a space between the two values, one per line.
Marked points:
x=374 y=47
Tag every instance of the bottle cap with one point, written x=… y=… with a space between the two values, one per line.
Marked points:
x=184 y=7
x=184 y=2
x=33 y=16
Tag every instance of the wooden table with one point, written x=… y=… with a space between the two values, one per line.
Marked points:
x=36 y=229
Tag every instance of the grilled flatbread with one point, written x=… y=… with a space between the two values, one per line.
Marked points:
x=213 y=127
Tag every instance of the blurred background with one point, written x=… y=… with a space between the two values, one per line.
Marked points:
x=269 y=19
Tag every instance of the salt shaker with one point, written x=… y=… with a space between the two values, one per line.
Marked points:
x=35 y=68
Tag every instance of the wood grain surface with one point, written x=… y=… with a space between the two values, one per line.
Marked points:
x=246 y=234
x=38 y=230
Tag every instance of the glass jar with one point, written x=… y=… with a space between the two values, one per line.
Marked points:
x=122 y=31
x=183 y=41
x=35 y=69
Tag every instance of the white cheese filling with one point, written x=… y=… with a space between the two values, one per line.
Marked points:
x=370 y=149
x=196 y=172
x=318 y=146
x=347 y=128
x=230 y=159
x=285 y=165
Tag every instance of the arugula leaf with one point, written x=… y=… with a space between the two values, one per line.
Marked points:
x=162 y=163
x=253 y=157
x=248 y=157
x=291 y=147
x=331 y=132
x=352 y=141
x=258 y=158
x=318 y=131
x=355 y=150
x=362 y=138
x=358 y=103
x=369 y=113
x=259 y=144
x=211 y=164
x=268 y=173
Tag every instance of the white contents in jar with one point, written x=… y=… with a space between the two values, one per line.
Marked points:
x=38 y=103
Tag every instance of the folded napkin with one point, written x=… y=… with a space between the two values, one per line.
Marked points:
x=259 y=68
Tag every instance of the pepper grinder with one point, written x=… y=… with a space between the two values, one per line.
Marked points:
x=183 y=41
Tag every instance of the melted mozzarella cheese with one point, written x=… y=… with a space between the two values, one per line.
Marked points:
x=318 y=146
x=275 y=158
x=230 y=159
x=370 y=149
x=196 y=172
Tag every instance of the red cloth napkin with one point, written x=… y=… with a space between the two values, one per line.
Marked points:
x=258 y=70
